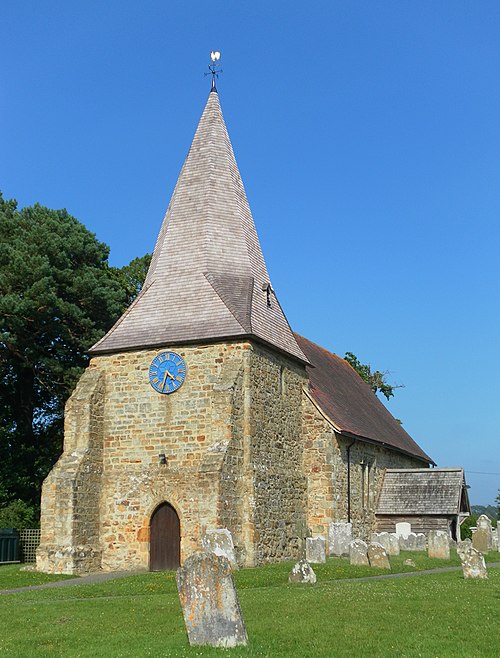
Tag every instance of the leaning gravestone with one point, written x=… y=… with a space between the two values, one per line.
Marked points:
x=219 y=542
x=473 y=564
x=302 y=572
x=482 y=538
x=209 y=602
x=316 y=549
x=403 y=529
x=358 y=553
x=388 y=540
x=377 y=556
x=339 y=538
x=438 y=544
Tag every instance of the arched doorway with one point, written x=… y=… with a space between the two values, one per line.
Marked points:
x=165 y=539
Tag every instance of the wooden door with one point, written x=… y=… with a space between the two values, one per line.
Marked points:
x=165 y=539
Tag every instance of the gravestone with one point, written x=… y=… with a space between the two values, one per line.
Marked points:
x=358 y=553
x=339 y=538
x=209 y=601
x=473 y=564
x=219 y=542
x=316 y=549
x=302 y=572
x=463 y=546
x=414 y=542
x=403 y=529
x=482 y=538
x=377 y=556
x=438 y=544
x=303 y=532
x=389 y=541
x=409 y=563
x=496 y=538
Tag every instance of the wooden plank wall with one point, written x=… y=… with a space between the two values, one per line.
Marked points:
x=418 y=523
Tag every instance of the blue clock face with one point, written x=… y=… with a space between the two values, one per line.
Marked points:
x=167 y=372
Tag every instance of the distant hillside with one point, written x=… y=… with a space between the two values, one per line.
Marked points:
x=489 y=510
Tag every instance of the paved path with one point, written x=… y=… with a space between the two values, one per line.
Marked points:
x=103 y=577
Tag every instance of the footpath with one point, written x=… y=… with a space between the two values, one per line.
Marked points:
x=103 y=577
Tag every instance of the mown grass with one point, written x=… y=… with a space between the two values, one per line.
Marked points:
x=432 y=615
x=13 y=575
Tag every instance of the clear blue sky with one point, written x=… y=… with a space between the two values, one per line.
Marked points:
x=368 y=138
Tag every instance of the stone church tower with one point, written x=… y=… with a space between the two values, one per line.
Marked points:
x=189 y=415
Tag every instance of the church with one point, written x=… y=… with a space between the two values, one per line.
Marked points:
x=202 y=409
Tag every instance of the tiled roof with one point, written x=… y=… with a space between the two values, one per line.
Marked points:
x=207 y=280
x=423 y=491
x=350 y=404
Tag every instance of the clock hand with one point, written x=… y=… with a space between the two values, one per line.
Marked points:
x=165 y=380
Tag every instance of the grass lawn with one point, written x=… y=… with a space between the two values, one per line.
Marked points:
x=431 y=615
x=11 y=576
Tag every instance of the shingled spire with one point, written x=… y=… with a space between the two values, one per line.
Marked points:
x=207 y=280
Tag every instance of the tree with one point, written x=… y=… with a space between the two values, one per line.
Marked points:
x=57 y=297
x=375 y=380
x=131 y=277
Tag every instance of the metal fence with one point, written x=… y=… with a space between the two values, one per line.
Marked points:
x=29 y=540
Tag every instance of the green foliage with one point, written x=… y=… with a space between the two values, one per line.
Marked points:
x=131 y=277
x=375 y=380
x=57 y=297
x=18 y=514
x=465 y=528
x=491 y=511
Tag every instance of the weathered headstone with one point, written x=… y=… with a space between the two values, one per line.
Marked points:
x=303 y=532
x=377 y=556
x=463 y=546
x=388 y=540
x=473 y=564
x=358 y=553
x=438 y=544
x=414 y=542
x=482 y=538
x=403 y=529
x=496 y=538
x=219 y=542
x=316 y=549
x=339 y=538
x=302 y=572
x=209 y=601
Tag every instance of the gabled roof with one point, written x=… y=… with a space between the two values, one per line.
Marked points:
x=208 y=279
x=423 y=491
x=349 y=403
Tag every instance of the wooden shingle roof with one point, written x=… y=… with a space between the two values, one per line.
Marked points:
x=423 y=491
x=208 y=279
x=350 y=404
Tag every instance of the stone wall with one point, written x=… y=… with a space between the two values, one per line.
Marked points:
x=325 y=463
x=276 y=455
x=193 y=427
x=232 y=438
x=69 y=541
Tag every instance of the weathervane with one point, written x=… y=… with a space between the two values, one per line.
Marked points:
x=214 y=67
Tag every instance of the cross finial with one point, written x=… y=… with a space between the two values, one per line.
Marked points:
x=214 y=67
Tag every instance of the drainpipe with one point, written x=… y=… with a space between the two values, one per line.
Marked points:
x=349 y=481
